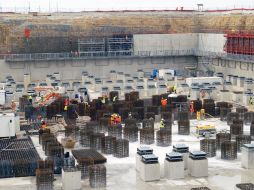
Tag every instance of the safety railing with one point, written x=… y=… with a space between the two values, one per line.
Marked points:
x=112 y=54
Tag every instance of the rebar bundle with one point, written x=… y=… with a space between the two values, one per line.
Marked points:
x=156 y=100
x=140 y=112
x=147 y=136
x=252 y=130
x=148 y=123
x=245 y=186
x=44 y=179
x=115 y=131
x=183 y=116
x=97 y=176
x=45 y=175
x=228 y=150
x=86 y=158
x=131 y=133
x=149 y=115
x=220 y=138
x=154 y=109
x=104 y=123
x=138 y=103
x=236 y=129
x=241 y=111
x=241 y=140
x=248 y=117
x=164 y=137
x=224 y=113
x=124 y=112
x=208 y=146
x=183 y=127
x=121 y=148
x=108 y=144
x=166 y=115
x=232 y=116
x=209 y=106
x=96 y=141
x=116 y=106
x=94 y=126
x=85 y=138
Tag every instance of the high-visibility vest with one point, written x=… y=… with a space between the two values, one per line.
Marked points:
x=65 y=108
x=43 y=126
x=162 y=124
x=164 y=102
x=30 y=97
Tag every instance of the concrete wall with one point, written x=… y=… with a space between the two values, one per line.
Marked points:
x=71 y=70
x=228 y=67
x=160 y=42
x=211 y=42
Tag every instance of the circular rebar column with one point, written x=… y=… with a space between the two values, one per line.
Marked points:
x=115 y=131
x=104 y=123
x=184 y=127
x=94 y=126
x=248 y=117
x=228 y=150
x=208 y=146
x=236 y=129
x=148 y=123
x=241 y=140
x=232 y=116
x=85 y=138
x=131 y=133
x=121 y=148
x=241 y=111
x=223 y=113
x=147 y=136
x=220 y=138
x=166 y=115
x=97 y=176
x=96 y=140
x=164 y=137
x=108 y=144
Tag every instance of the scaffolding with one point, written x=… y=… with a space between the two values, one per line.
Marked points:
x=239 y=43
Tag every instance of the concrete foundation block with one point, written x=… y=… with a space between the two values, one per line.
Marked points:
x=173 y=170
x=198 y=168
x=71 y=180
x=138 y=162
x=149 y=172
x=185 y=159
x=247 y=158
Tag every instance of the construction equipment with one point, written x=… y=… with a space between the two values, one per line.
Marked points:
x=204 y=130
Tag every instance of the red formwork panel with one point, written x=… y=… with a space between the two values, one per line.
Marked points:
x=239 y=43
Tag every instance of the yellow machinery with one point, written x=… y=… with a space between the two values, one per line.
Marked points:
x=202 y=130
x=201 y=114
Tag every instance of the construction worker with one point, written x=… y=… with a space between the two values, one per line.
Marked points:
x=162 y=124
x=43 y=125
x=174 y=89
x=13 y=106
x=103 y=100
x=81 y=99
x=251 y=101
x=192 y=107
x=30 y=99
x=164 y=102
x=114 y=98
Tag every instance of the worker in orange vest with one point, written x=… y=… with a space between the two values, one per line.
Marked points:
x=164 y=102
x=13 y=106
x=192 y=107
x=43 y=125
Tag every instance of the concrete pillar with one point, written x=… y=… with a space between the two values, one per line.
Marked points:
x=198 y=168
x=248 y=156
x=71 y=179
x=149 y=172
